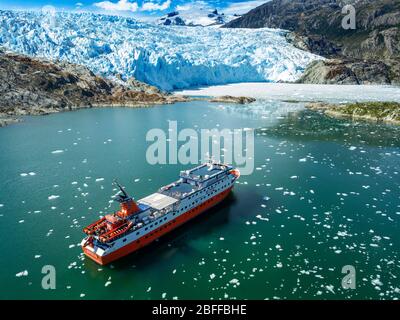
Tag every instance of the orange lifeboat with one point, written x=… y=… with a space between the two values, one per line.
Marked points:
x=92 y=228
x=235 y=173
x=114 y=233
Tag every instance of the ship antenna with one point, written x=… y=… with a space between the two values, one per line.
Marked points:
x=126 y=196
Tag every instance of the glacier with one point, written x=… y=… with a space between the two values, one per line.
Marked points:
x=168 y=57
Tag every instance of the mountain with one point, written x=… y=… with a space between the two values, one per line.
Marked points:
x=37 y=86
x=169 y=58
x=197 y=17
x=316 y=25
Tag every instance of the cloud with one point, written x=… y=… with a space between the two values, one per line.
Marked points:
x=121 y=5
x=243 y=7
x=151 y=6
x=194 y=5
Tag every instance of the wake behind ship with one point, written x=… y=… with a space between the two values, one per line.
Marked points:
x=139 y=223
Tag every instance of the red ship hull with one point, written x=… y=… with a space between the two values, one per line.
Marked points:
x=157 y=233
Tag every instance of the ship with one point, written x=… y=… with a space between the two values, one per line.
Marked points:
x=138 y=223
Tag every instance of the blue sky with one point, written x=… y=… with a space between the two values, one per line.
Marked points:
x=139 y=8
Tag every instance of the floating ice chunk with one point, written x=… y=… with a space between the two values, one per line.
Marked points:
x=99 y=179
x=352 y=148
x=222 y=238
x=148 y=289
x=22 y=274
x=82 y=295
x=164 y=295
x=212 y=276
x=32 y=173
x=234 y=282
x=21 y=221
x=137 y=180
x=303 y=160
x=330 y=288
x=376 y=282
x=53 y=197
x=57 y=151
x=37 y=256
x=23 y=174
x=107 y=283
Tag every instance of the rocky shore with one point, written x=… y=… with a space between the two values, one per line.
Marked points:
x=387 y=112
x=232 y=99
x=35 y=87
x=30 y=86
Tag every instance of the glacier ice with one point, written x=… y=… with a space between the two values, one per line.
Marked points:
x=168 y=57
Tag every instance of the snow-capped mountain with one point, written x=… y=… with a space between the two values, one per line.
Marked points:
x=168 y=57
x=199 y=17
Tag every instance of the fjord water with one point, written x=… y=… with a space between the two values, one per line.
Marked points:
x=324 y=194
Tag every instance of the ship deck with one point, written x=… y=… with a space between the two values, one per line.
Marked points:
x=191 y=180
x=179 y=189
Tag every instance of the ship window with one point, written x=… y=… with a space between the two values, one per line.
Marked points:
x=137 y=233
x=146 y=228
x=124 y=240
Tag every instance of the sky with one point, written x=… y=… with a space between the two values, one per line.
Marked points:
x=135 y=8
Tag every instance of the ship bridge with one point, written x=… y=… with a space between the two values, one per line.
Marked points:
x=195 y=179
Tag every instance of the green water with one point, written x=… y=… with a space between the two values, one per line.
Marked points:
x=324 y=194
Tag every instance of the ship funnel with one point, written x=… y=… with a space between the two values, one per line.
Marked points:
x=127 y=204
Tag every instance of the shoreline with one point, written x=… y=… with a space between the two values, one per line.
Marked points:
x=377 y=112
x=240 y=93
x=298 y=92
x=7 y=118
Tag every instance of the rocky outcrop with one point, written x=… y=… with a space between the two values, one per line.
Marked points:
x=31 y=86
x=345 y=71
x=371 y=50
x=388 y=112
x=232 y=99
